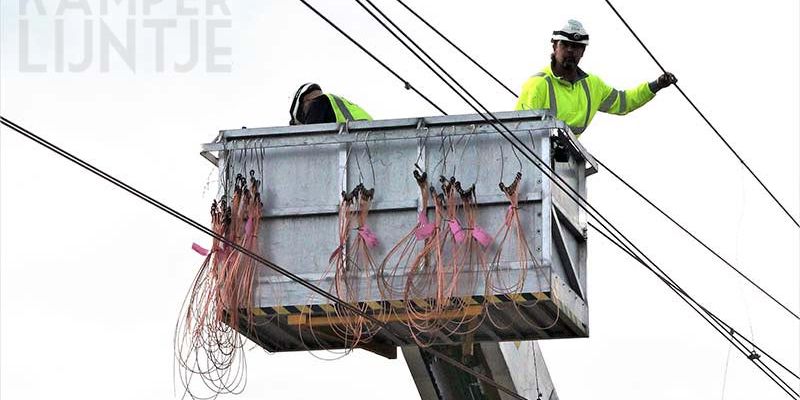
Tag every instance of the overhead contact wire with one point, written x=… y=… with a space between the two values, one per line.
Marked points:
x=406 y=84
x=719 y=135
x=555 y=178
x=696 y=239
x=709 y=317
x=680 y=226
x=499 y=82
x=438 y=75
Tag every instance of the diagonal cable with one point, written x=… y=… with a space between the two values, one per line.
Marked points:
x=543 y=167
x=624 y=182
x=696 y=239
x=441 y=35
x=733 y=337
x=406 y=84
x=710 y=125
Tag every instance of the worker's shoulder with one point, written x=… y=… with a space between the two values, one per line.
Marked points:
x=594 y=79
x=536 y=80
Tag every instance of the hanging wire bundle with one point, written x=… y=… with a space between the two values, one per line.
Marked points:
x=503 y=280
x=352 y=266
x=415 y=268
x=441 y=259
x=467 y=254
x=238 y=271
x=219 y=303
x=433 y=277
x=497 y=281
x=406 y=258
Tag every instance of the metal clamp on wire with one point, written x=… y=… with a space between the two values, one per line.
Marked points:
x=753 y=356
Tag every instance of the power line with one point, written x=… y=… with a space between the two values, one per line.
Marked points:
x=693 y=236
x=499 y=82
x=417 y=55
x=730 y=334
x=550 y=173
x=406 y=84
x=712 y=251
x=275 y=267
x=719 y=135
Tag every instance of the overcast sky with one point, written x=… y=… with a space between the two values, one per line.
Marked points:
x=91 y=279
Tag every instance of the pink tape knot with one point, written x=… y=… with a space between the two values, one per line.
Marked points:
x=458 y=233
x=425 y=229
x=368 y=235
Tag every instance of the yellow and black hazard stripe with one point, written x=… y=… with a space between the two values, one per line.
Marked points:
x=417 y=305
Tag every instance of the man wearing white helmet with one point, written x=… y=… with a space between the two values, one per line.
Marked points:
x=573 y=95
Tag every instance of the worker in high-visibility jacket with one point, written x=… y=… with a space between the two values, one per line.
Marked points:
x=573 y=95
x=311 y=106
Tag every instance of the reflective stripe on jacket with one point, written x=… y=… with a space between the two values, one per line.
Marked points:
x=576 y=103
x=347 y=111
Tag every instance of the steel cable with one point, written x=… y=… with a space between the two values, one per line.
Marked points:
x=623 y=181
x=693 y=236
x=406 y=84
x=499 y=82
x=719 y=325
x=539 y=163
x=719 y=135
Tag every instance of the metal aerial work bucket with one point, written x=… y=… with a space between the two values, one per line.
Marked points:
x=407 y=220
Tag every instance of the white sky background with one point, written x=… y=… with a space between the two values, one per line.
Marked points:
x=91 y=279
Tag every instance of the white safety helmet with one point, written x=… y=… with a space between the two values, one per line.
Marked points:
x=572 y=32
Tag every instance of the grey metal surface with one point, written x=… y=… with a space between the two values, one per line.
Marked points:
x=519 y=366
x=525 y=366
x=305 y=168
x=421 y=373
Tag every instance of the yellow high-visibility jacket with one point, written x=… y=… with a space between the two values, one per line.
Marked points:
x=576 y=103
x=346 y=110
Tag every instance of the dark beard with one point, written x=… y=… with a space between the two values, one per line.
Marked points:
x=569 y=64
